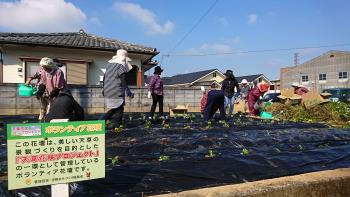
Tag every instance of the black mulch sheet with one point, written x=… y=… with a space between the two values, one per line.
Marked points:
x=248 y=150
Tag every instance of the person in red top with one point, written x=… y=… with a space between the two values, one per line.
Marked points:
x=299 y=89
x=203 y=99
x=254 y=96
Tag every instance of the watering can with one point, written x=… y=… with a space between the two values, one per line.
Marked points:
x=24 y=90
x=266 y=115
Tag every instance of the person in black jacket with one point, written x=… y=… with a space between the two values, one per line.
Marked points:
x=228 y=87
x=65 y=107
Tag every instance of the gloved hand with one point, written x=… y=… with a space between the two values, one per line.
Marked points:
x=149 y=95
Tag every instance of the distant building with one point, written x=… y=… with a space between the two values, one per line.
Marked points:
x=211 y=77
x=251 y=78
x=329 y=70
x=208 y=78
x=275 y=86
x=84 y=56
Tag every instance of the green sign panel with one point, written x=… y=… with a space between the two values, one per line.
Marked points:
x=51 y=153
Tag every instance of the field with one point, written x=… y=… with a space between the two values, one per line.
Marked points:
x=187 y=153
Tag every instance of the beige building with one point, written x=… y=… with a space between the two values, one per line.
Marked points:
x=329 y=70
x=83 y=56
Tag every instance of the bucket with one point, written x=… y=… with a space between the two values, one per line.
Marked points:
x=266 y=115
x=24 y=90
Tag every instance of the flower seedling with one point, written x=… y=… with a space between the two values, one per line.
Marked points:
x=148 y=124
x=277 y=150
x=119 y=129
x=211 y=154
x=115 y=160
x=209 y=125
x=187 y=126
x=300 y=147
x=164 y=158
x=143 y=116
x=245 y=151
x=130 y=117
x=165 y=124
x=224 y=123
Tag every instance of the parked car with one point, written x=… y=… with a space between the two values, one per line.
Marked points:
x=272 y=97
x=338 y=94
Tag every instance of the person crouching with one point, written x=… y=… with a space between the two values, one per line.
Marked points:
x=254 y=97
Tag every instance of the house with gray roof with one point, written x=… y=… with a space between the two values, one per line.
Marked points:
x=211 y=77
x=82 y=55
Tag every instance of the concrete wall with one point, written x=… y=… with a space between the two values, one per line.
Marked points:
x=91 y=99
x=330 y=183
x=12 y=62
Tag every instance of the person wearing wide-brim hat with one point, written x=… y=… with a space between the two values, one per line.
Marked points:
x=155 y=90
x=114 y=85
x=228 y=87
x=299 y=89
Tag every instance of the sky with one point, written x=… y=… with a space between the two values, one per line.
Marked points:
x=195 y=35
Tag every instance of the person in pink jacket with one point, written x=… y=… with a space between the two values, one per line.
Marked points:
x=254 y=96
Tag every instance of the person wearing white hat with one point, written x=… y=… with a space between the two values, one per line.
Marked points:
x=114 y=85
x=299 y=89
x=245 y=88
x=52 y=81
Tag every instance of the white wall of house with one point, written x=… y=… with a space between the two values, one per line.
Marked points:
x=12 y=63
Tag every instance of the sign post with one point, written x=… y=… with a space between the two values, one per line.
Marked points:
x=55 y=153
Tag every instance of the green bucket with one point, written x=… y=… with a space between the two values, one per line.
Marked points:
x=266 y=115
x=24 y=90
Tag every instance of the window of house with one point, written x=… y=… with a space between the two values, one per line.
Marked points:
x=322 y=77
x=214 y=74
x=304 y=78
x=74 y=73
x=343 y=75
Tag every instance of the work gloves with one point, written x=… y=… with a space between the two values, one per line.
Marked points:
x=149 y=95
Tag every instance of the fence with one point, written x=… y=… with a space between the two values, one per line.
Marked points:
x=91 y=99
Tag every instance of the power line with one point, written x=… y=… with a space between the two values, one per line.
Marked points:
x=194 y=26
x=260 y=51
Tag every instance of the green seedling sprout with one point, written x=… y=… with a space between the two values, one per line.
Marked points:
x=211 y=154
x=300 y=147
x=245 y=151
x=115 y=160
x=143 y=116
x=224 y=123
x=148 y=124
x=277 y=150
x=187 y=126
x=164 y=158
x=165 y=124
x=209 y=125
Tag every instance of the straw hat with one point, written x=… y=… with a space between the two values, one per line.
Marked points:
x=122 y=58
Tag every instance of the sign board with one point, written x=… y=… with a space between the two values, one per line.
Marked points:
x=52 y=153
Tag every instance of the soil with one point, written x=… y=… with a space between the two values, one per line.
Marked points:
x=191 y=155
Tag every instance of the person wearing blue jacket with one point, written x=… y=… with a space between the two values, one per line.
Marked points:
x=214 y=101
